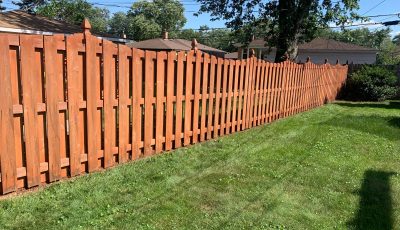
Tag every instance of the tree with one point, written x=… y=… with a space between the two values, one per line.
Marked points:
x=74 y=12
x=1 y=6
x=29 y=5
x=387 y=53
x=290 y=22
x=362 y=37
x=118 y=24
x=396 y=39
x=147 y=19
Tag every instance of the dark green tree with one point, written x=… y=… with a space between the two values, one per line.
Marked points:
x=147 y=19
x=29 y=5
x=74 y=11
x=396 y=39
x=290 y=22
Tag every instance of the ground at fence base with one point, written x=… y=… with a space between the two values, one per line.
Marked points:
x=315 y=170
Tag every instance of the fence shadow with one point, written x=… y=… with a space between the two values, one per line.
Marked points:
x=389 y=105
x=375 y=206
x=382 y=126
x=395 y=122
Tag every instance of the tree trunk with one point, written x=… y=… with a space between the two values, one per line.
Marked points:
x=290 y=18
x=287 y=50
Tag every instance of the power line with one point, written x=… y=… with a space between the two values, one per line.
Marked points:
x=380 y=3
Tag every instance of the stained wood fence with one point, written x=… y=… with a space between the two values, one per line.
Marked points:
x=74 y=104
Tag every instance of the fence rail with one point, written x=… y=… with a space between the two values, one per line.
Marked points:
x=75 y=104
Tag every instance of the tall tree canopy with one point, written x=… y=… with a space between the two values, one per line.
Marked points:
x=74 y=11
x=290 y=22
x=147 y=19
x=222 y=39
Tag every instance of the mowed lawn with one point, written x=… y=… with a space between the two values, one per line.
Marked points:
x=334 y=167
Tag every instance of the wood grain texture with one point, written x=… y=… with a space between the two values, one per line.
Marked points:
x=30 y=85
x=7 y=142
x=52 y=112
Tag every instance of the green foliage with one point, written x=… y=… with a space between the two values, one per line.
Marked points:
x=371 y=83
x=146 y=20
x=388 y=53
x=290 y=22
x=29 y=5
x=396 y=39
x=362 y=37
x=74 y=11
x=222 y=39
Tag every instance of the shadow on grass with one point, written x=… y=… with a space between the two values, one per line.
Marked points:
x=388 y=105
x=395 y=122
x=383 y=126
x=375 y=206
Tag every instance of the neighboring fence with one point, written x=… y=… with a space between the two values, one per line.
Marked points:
x=75 y=104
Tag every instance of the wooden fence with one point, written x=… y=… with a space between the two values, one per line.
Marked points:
x=75 y=104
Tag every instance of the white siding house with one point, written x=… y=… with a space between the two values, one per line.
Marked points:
x=318 y=50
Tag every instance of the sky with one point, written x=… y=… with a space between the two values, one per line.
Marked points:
x=367 y=8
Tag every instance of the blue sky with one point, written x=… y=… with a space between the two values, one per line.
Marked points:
x=367 y=7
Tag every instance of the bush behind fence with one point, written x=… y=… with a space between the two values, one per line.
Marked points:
x=75 y=104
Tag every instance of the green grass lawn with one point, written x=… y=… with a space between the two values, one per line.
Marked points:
x=334 y=167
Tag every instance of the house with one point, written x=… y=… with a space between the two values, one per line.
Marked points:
x=167 y=44
x=318 y=50
x=21 y=22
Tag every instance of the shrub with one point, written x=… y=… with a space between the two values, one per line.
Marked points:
x=371 y=83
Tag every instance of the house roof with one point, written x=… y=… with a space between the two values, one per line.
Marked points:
x=171 y=44
x=18 y=19
x=330 y=44
x=320 y=44
x=233 y=55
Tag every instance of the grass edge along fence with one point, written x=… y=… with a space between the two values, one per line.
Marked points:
x=74 y=104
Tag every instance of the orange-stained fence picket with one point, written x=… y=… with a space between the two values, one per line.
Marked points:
x=75 y=104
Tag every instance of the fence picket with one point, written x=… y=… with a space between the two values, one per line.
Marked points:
x=179 y=98
x=169 y=122
x=205 y=93
x=148 y=102
x=109 y=77
x=53 y=122
x=188 y=97
x=211 y=96
x=30 y=85
x=196 y=102
x=235 y=96
x=217 y=112
x=224 y=97
x=161 y=57
x=8 y=152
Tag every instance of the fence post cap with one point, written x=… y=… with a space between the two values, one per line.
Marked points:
x=252 y=53
x=194 y=44
x=86 y=26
